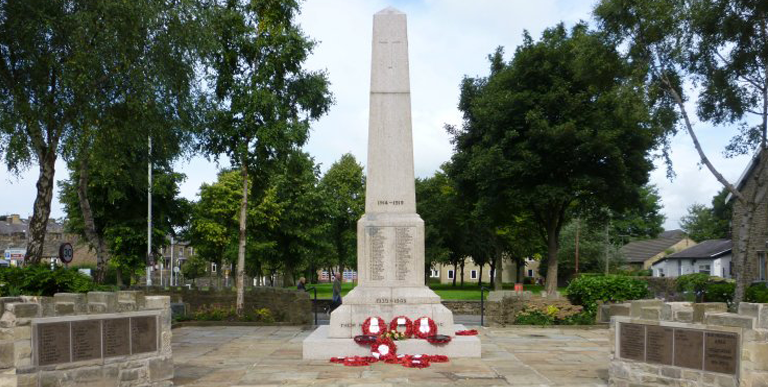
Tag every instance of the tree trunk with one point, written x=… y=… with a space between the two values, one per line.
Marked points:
x=42 y=208
x=455 y=272
x=480 y=276
x=95 y=240
x=498 y=272
x=552 y=246
x=241 y=243
x=462 y=273
x=492 y=280
x=288 y=278
x=119 y=277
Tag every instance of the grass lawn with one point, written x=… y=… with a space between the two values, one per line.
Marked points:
x=445 y=291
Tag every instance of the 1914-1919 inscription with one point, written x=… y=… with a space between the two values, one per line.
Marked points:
x=721 y=352
x=53 y=343
x=659 y=344
x=86 y=340
x=632 y=341
x=143 y=334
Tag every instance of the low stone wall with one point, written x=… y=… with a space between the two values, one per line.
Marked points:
x=503 y=306
x=684 y=344
x=286 y=305
x=94 y=339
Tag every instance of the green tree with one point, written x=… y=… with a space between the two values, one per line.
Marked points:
x=642 y=221
x=562 y=124
x=194 y=267
x=343 y=189
x=703 y=222
x=66 y=64
x=720 y=46
x=262 y=101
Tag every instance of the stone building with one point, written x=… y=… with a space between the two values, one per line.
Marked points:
x=644 y=253
x=445 y=273
x=14 y=238
x=757 y=243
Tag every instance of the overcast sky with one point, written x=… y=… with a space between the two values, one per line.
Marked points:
x=447 y=40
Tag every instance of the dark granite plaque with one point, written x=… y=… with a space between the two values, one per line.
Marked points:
x=659 y=344
x=115 y=337
x=143 y=334
x=689 y=348
x=721 y=352
x=86 y=340
x=632 y=341
x=53 y=343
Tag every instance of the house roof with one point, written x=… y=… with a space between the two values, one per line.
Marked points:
x=711 y=248
x=641 y=251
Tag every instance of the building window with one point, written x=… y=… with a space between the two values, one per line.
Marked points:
x=434 y=273
x=761 y=265
x=530 y=273
x=473 y=274
x=706 y=269
x=450 y=274
x=661 y=272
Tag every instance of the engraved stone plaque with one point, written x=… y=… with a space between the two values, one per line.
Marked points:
x=689 y=348
x=659 y=344
x=53 y=343
x=632 y=341
x=378 y=240
x=403 y=247
x=721 y=352
x=143 y=334
x=86 y=340
x=115 y=337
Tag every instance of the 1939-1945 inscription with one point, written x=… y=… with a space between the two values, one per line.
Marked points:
x=80 y=340
x=689 y=348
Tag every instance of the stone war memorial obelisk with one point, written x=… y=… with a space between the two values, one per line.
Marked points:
x=390 y=235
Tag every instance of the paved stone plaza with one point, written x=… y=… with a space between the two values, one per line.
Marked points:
x=516 y=356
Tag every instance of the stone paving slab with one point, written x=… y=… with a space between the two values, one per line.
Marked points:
x=271 y=356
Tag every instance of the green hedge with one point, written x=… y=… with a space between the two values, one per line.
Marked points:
x=42 y=281
x=587 y=290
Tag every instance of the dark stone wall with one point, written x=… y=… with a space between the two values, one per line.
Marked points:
x=758 y=232
x=290 y=306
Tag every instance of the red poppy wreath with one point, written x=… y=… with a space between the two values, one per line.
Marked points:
x=384 y=349
x=424 y=327
x=402 y=322
x=374 y=326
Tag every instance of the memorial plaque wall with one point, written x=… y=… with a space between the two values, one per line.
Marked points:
x=79 y=340
x=710 y=351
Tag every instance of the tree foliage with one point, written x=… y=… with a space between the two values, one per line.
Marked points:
x=563 y=123
x=704 y=222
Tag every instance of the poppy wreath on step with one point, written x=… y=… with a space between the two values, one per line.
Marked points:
x=415 y=361
x=384 y=349
x=470 y=332
x=366 y=340
x=424 y=327
x=374 y=326
x=439 y=339
x=402 y=321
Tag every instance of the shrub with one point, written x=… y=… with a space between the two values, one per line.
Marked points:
x=696 y=283
x=720 y=292
x=587 y=290
x=757 y=293
x=40 y=280
x=534 y=317
x=218 y=312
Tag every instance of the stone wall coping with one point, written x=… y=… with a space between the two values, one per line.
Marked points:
x=677 y=324
x=97 y=316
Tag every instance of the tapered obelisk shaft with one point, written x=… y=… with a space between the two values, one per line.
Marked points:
x=390 y=186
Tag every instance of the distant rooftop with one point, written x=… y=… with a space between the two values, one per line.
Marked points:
x=641 y=251
x=15 y=224
x=712 y=248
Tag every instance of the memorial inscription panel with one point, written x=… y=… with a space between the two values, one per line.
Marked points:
x=721 y=352
x=376 y=254
x=632 y=341
x=689 y=348
x=143 y=334
x=659 y=344
x=116 y=337
x=53 y=341
x=86 y=340
x=403 y=248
